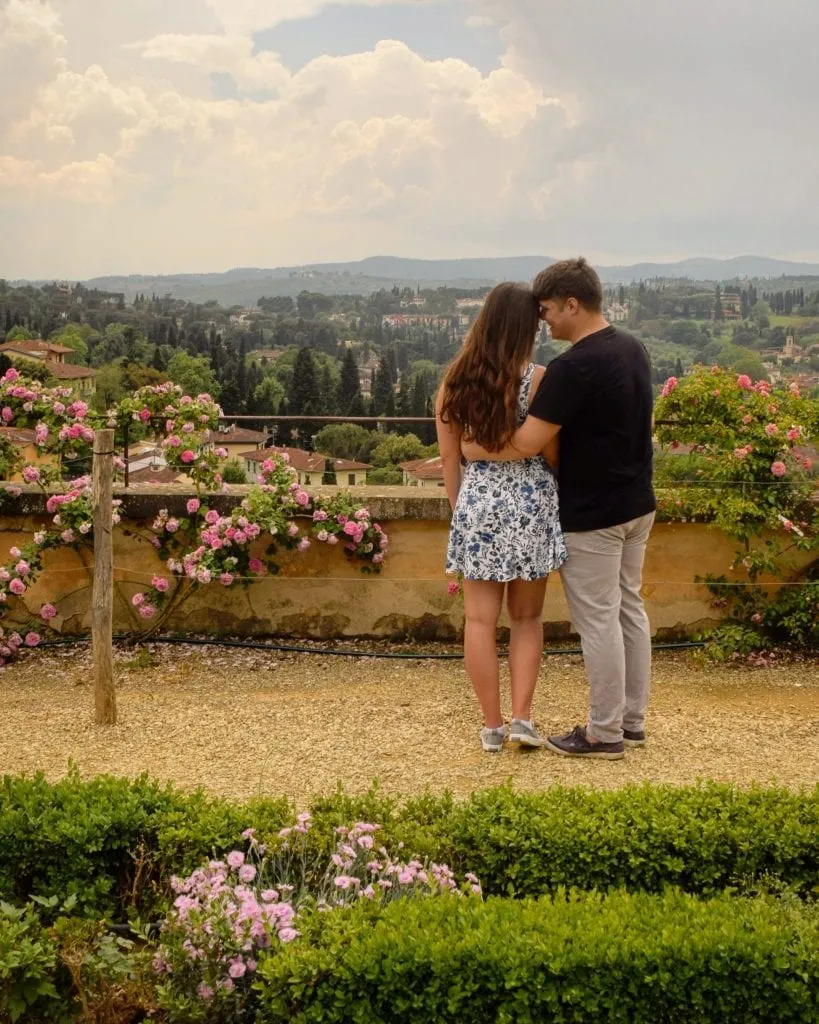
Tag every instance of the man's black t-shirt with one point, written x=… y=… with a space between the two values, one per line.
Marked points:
x=599 y=391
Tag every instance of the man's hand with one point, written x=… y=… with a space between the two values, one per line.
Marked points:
x=530 y=439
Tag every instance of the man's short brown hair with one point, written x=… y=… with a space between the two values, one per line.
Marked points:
x=570 y=279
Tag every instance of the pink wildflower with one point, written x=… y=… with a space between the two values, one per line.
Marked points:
x=235 y=859
x=205 y=992
x=247 y=873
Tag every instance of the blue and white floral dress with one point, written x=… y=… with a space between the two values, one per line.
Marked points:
x=505 y=525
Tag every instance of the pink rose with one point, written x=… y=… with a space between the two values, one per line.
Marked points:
x=669 y=386
x=212 y=517
x=31 y=474
x=188 y=456
x=779 y=468
x=745 y=382
x=378 y=558
x=293 y=530
x=137 y=600
x=32 y=639
x=771 y=429
x=226 y=579
x=147 y=611
x=303 y=498
x=332 y=539
x=452 y=587
x=160 y=583
x=193 y=506
x=17 y=587
x=322 y=535
x=350 y=528
x=794 y=433
x=304 y=544
x=47 y=612
x=255 y=566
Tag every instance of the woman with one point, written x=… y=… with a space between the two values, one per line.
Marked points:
x=505 y=533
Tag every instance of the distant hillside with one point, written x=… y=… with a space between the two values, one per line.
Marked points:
x=243 y=286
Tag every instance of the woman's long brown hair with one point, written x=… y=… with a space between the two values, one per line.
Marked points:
x=480 y=389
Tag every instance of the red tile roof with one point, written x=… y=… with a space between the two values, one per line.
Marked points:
x=343 y=465
x=35 y=345
x=424 y=469
x=68 y=371
x=304 y=462
x=18 y=435
x=236 y=435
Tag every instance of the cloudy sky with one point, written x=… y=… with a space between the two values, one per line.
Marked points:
x=161 y=136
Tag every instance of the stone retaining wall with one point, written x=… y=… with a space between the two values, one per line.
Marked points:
x=320 y=595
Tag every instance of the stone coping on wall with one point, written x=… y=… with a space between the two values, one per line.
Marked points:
x=143 y=501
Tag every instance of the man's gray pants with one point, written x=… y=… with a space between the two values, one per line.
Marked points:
x=602 y=579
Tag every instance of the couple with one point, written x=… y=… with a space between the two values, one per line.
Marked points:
x=511 y=434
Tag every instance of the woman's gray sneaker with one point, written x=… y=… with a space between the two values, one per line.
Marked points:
x=492 y=739
x=525 y=733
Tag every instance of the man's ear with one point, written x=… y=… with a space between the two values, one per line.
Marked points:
x=572 y=306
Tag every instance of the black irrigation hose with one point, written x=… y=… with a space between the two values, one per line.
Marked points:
x=301 y=649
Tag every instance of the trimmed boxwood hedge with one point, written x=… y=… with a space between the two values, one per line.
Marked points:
x=634 y=958
x=114 y=843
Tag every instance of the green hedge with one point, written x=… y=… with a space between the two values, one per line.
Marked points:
x=638 y=958
x=113 y=843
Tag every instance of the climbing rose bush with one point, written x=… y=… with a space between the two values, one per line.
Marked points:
x=207 y=547
x=748 y=449
x=200 y=548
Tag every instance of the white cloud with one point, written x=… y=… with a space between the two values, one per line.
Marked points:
x=619 y=133
x=246 y=16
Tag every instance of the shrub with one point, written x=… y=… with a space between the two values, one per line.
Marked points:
x=28 y=967
x=632 y=958
x=113 y=844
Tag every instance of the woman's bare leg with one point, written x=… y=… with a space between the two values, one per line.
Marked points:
x=482 y=604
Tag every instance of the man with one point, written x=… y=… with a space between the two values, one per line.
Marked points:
x=598 y=397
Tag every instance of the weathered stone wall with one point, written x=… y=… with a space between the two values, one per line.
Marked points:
x=319 y=594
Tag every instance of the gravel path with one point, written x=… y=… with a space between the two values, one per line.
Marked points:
x=242 y=723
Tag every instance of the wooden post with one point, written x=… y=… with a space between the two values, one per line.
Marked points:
x=102 y=611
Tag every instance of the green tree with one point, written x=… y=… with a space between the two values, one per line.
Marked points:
x=350 y=385
x=347 y=441
x=233 y=472
x=382 y=387
x=74 y=337
x=303 y=395
x=108 y=387
x=20 y=333
x=395 y=448
x=267 y=397
x=194 y=374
